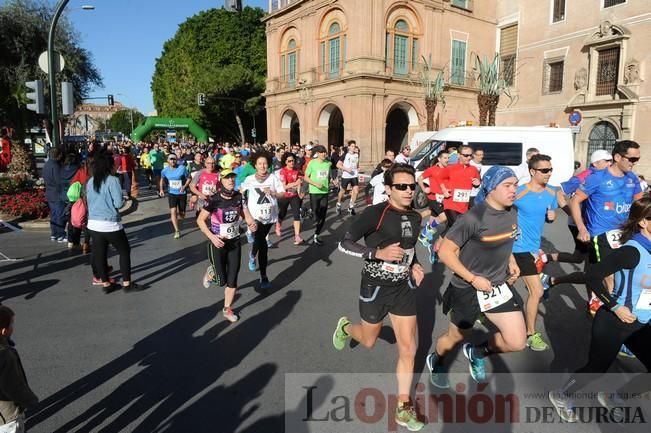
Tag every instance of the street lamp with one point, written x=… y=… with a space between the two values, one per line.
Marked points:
x=51 y=73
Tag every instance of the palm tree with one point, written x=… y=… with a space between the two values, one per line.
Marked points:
x=433 y=88
x=491 y=86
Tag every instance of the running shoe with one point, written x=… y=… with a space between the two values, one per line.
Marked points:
x=338 y=209
x=437 y=373
x=98 y=281
x=626 y=352
x=351 y=211
x=564 y=405
x=53 y=238
x=302 y=214
x=310 y=214
x=340 y=336
x=317 y=241
x=546 y=281
x=298 y=240
x=406 y=417
x=62 y=240
x=433 y=257
x=270 y=244
x=208 y=277
x=594 y=305
x=475 y=365
x=536 y=343
x=614 y=403
x=426 y=235
x=230 y=315
x=265 y=284
x=252 y=264
x=249 y=236
x=278 y=230
x=177 y=235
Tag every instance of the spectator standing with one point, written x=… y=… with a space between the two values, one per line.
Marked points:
x=52 y=179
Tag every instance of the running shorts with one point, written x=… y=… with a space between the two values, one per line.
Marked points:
x=177 y=201
x=352 y=181
x=527 y=264
x=376 y=301
x=461 y=303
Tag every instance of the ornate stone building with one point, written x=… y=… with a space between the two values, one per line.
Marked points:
x=350 y=69
x=588 y=56
x=89 y=118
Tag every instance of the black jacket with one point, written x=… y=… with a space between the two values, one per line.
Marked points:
x=15 y=393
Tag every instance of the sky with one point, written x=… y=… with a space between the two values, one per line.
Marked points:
x=126 y=36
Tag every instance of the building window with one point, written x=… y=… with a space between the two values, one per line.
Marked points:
x=508 y=53
x=288 y=63
x=402 y=44
x=331 y=52
x=463 y=4
x=607 y=71
x=553 y=78
x=558 y=14
x=609 y=3
x=458 y=63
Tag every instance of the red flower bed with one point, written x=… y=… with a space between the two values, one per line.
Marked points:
x=28 y=204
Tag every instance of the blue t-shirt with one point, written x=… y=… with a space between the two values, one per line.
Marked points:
x=175 y=178
x=609 y=200
x=532 y=210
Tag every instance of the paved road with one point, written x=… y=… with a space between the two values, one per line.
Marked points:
x=165 y=360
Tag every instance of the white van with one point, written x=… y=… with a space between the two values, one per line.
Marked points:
x=502 y=145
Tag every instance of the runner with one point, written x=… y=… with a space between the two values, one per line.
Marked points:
x=377 y=183
x=157 y=161
x=476 y=161
x=535 y=202
x=624 y=320
x=225 y=212
x=349 y=177
x=145 y=164
x=289 y=176
x=261 y=191
x=204 y=184
x=177 y=180
x=608 y=195
x=317 y=175
x=522 y=170
x=478 y=251
x=390 y=276
x=435 y=199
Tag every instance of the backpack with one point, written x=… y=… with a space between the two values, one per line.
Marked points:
x=79 y=211
x=74 y=192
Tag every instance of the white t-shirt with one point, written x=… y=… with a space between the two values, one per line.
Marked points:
x=522 y=172
x=351 y=161
x=104 y=226
x=474 y=191
x=401 y=159
x=379 y=193
x=263 y=207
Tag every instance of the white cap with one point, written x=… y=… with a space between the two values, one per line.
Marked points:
x=308 y=147
x=599 y=155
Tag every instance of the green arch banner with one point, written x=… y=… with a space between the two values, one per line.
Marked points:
x=152 y=123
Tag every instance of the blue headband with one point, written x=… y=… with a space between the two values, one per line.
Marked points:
x=493 y=177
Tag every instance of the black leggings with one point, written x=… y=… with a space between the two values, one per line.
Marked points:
x=319 y=204
x=608 y=335
x=101 y=241
x=580 y=255
x=225 y=261
x=283 y=206
x=260 y=247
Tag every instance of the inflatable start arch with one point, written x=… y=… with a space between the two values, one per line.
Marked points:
x=152 y=123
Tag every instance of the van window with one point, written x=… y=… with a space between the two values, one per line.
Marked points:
x=500 y=153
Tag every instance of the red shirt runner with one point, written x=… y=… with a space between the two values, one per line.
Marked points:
x=432 y=175
x=457 y=178
x=288 y=176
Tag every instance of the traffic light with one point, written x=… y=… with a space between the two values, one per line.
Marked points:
x=110 y=100
x=201 y=99
x=36 y=97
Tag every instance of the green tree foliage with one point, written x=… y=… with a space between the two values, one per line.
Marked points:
x=121 y=120
x=24 y=28
x=222 y=55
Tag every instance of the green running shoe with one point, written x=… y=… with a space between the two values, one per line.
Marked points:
x=406 y=417
x=339 y=337
x=536 y=343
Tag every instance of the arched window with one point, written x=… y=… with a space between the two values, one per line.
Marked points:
x=333 y=51
x=603 y=135
x=401 y=48
x=288 y=63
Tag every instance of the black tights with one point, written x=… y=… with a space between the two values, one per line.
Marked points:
x=101 y=241
x=260 y=247
x=319 y=204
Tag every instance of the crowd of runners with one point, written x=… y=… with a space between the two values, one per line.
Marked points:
x=485 y=226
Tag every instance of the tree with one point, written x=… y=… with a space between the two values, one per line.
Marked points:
x=491 y=86
x=25 y=25
x=121 y=121
x=222 y=55
x=433 y=88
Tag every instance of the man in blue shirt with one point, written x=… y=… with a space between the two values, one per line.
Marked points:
x=178 y=181
x=535 y=202
x=607 y=196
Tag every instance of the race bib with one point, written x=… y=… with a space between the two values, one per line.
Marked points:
x=229 y=230
x=614 y=237
x=264 y=212
x=176 y=184
x=461 y=195
x=322 y=174
x=644 y=301
x=208 y=189
x=402 y=266
x=496 y=297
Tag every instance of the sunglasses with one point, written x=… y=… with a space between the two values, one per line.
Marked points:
x=544 y=170
x=290 y=160
x=466 y=155
x=404 y=186
x=631 y=159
